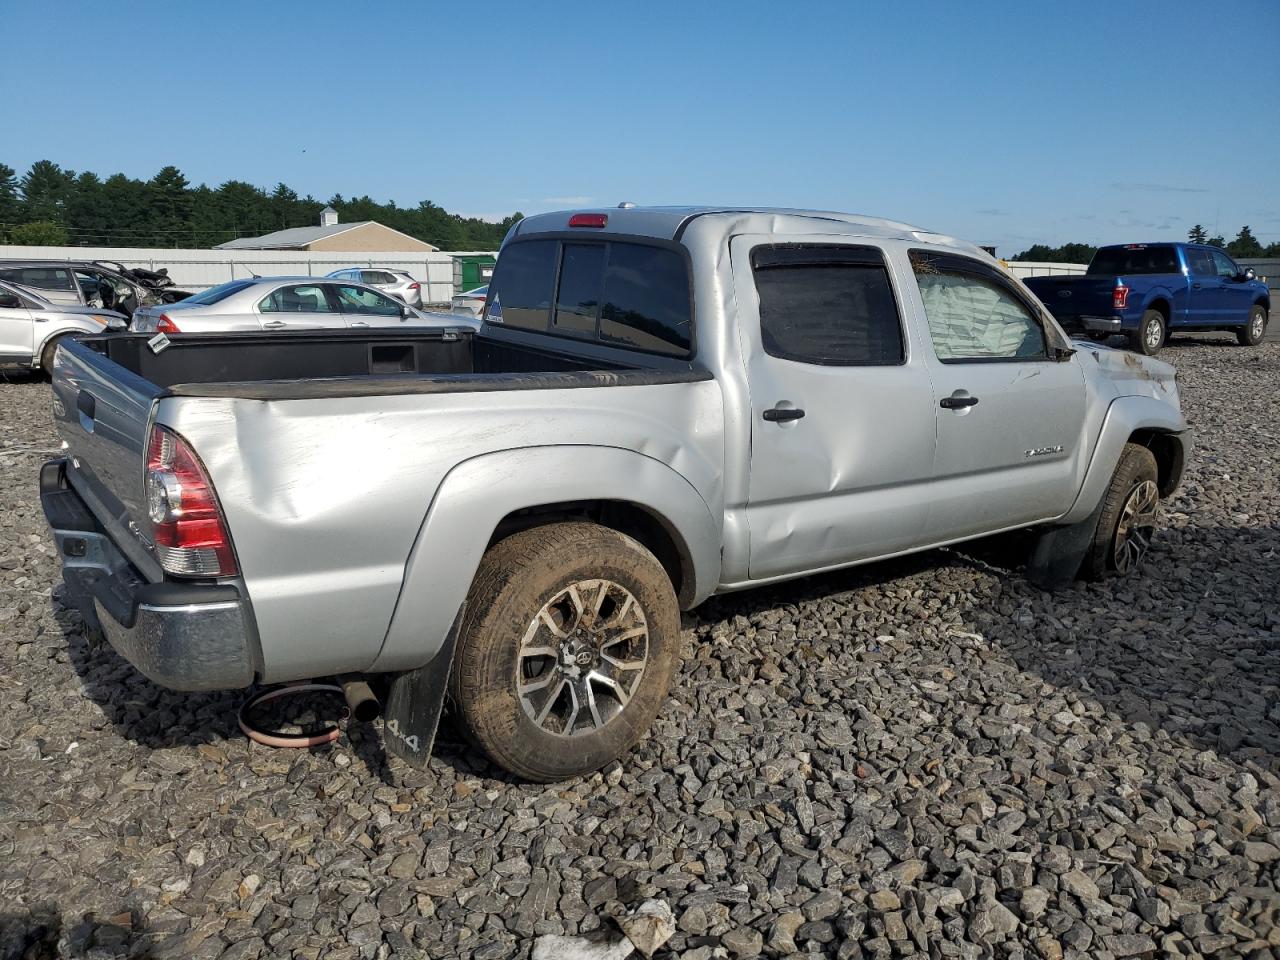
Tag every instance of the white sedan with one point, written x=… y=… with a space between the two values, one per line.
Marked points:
x=287 y=303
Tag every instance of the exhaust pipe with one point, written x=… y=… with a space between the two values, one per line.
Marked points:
x=363 y=704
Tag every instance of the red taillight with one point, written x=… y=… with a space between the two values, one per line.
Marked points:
x=1120 y=295
x=165 y=325
x=415 y=286
x=187 y=527
x=589 y=220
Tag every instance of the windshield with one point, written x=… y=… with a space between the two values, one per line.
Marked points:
x=1135 y=258
x=218 y=293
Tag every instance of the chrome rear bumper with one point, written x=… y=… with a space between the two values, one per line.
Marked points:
x=184 y=636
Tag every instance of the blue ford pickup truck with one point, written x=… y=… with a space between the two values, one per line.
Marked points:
x=1149 y=291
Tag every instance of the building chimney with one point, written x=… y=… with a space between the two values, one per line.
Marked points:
x=328 y=217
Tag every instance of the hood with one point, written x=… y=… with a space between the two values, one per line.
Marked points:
x=1131 y=373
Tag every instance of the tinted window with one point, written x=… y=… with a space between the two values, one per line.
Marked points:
x=522 y=285
x=219 y=293
x=1224 y=266
x=378 y=276
x=646 y=299
x=827 y=305
x=304 y=298
x=1200 y=262
x=1117 y=261
x=973 y=316
x=363 y=300
x=46 y=278
x=581 y=279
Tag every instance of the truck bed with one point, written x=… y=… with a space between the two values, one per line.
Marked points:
x=313 y=364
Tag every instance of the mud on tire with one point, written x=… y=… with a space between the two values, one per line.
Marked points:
x=567 y=650
x=1123 y=534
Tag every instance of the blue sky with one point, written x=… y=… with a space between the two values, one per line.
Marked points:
x=1002 y=123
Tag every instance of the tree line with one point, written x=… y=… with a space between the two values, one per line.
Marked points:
x=49 y=205
x=1244 y=245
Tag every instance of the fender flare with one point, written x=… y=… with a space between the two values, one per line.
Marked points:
x=1125 y=416
x=478 y=493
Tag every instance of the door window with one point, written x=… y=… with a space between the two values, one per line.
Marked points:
x=43 y=278
x=830 y=305
x=1224 y=266
x=304 y=298
x=365 y=301
x=1200 y=262
x=972 y=315
x=378 y=276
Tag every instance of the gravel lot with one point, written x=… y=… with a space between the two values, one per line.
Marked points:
x=928 y=758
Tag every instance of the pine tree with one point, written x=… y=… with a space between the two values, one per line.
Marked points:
x=1197 y=235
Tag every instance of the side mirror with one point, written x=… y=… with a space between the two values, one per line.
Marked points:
x=1247 y=274
x=406 y=312
x=10 y=301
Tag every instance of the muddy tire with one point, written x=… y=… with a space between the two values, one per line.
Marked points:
x=1128 y=518
x=1251 y=334
x=567 y=650
x=1150 y=335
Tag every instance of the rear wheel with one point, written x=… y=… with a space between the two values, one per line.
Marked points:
x=567 y=650
x=1252 y=333
x=1150 y=335
x=1130 y=514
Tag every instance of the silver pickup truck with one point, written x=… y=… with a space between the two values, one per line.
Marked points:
x=661 y=404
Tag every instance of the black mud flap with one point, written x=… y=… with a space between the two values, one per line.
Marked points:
x=416 y=701
x=1057 y=554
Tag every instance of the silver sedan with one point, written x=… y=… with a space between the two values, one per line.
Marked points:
x=286 y=303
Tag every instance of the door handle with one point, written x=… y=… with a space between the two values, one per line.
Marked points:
x=1195 y=286
x=358 y=323
x=783 y=414
x=957 y=403
x=273 y=325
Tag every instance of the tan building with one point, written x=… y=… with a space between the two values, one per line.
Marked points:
x=332 y=235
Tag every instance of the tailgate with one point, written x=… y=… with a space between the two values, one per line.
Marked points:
x=1078 y=296
x=102 y=412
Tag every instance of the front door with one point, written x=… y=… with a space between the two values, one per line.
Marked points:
x=17 y=338
x=1010 y=414
x=1235 y=297
x=1202 y=306
x=299 y=306
x=842 y=420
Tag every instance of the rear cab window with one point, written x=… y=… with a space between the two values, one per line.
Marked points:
x=1137 y=258
x=617 y=292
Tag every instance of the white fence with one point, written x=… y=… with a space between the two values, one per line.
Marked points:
x=198 y=269
x=1030 y=268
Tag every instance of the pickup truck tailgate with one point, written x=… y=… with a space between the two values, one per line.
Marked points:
x=1075 y=296
x=102 y=412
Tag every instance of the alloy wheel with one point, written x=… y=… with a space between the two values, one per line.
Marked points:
x=582 y=657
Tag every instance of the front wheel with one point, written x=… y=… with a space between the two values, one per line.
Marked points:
x=1150 y=335
x=1130 y=514
x=47 y=355
x=1252 y=333
x=567 y=649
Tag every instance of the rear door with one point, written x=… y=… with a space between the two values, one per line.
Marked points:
x=842 y=420
x=1010 y=417
x=300 y=306
x=17 y=338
